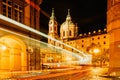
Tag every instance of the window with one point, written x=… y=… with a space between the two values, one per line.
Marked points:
x=50 y=28
x=104 y=36
x=82 y=46
x=18 y=12
x=92 y=38
x=70 y=33
x=7 y=8
x=55 y=28
x=12 y=10
x=104 y=42
x=82 y=40
x=98 y=37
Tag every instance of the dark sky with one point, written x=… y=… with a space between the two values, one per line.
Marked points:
x=88 y=14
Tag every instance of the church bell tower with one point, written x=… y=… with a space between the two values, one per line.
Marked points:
x=53 y=28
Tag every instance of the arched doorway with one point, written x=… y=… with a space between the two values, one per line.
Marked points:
x=12 y=54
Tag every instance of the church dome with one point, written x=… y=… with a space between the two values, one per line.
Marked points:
x=68 y=23
x=68 y=29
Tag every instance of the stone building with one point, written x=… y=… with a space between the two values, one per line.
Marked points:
x=86 y=42
x=113 y=29
x=18 y=52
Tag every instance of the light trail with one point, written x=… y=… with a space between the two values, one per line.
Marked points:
x=75 y=55
x=37 y=7
x=33 y=5
x=39 y=33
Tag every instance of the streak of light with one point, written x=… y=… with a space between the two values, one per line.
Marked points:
x=37 y=7
x=39 y=33
x=33 y=5
x=75 y=55
x=46 y=14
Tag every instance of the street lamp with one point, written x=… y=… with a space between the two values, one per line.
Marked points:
x=3 y=47
x=96 y=50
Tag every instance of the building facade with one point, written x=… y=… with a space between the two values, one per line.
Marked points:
x=17 y=52
x=113 y=28
x=86 y=42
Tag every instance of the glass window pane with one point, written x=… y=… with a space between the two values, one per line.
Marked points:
x=16 y=6
x=9 y=2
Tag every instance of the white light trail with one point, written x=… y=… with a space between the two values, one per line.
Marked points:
x=11 y=32
x=37 y=32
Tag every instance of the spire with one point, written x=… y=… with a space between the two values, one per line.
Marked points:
x=68 y=16
x=53 y=15
x=68 y=13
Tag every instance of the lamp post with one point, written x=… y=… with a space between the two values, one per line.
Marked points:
x=96 y=52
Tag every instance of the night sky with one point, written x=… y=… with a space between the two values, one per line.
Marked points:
x=88 y=14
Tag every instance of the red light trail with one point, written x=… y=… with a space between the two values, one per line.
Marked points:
x=34 y=5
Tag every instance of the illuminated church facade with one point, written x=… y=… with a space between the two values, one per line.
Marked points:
x=21 y=54
x=95 y=43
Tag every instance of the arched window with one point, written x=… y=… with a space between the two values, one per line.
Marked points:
x=70 y=33
x=55 y=28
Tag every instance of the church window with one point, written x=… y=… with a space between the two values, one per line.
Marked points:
x=50 y=22
x=55 y=28
x=50 y=28
x=70 y=33
x=12 y=10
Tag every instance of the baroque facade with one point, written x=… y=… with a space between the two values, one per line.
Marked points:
x=86 y=42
